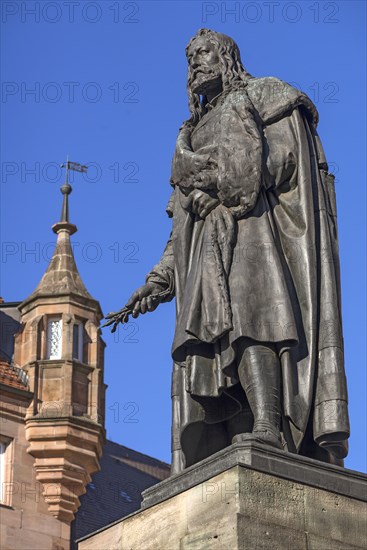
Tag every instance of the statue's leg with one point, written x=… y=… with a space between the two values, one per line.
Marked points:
x=178 y=462
x=259 y=374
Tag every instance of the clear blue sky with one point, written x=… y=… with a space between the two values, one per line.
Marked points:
x=109 y=88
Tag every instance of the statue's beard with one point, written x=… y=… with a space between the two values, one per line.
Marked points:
x=205 y=80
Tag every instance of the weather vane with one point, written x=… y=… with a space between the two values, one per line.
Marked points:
x=66 y=189
x=73 y=166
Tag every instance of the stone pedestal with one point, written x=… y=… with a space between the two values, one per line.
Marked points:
x=248 y=497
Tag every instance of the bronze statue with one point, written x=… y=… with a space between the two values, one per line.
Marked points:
x=253 y=263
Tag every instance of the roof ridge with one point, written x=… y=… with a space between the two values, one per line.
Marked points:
x=139 y=453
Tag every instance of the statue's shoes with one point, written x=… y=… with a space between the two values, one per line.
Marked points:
x=260 y=436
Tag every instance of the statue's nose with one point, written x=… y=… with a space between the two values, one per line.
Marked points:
x=195 y=60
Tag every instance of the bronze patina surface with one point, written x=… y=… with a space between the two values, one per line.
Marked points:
x=253 y=263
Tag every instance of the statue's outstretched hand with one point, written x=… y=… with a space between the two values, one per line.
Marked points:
x=146 y=298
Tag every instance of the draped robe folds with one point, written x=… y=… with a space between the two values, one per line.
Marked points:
x=263 y=265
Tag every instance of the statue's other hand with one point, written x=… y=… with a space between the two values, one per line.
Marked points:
x=203 y=203
x=207 y=179
x=144 y=299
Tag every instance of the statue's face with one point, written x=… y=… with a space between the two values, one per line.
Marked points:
x=204 y=66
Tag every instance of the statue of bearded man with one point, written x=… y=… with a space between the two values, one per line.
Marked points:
x=253 y=263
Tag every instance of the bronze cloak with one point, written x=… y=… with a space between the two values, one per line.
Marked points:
x=263 y=265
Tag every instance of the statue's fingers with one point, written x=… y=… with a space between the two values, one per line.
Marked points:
x=155 y=304
x=202 y=212
x=134 y=297
x=150 y=303
x=197 y=195
x=203 y=203
x=136 y=310
x=208 y=207
x=143 y=305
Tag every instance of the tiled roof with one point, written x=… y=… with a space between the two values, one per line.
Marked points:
x=13 y=376
x=115 y=491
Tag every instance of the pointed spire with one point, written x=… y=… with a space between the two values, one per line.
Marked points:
x=62 y=276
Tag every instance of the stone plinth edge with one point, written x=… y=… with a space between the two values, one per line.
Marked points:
x=269 y=461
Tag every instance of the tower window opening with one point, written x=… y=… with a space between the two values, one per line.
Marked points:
x=5 y=470
x=54 y=338
x=78 y=341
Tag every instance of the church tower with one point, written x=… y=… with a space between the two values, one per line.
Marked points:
x=61 y=349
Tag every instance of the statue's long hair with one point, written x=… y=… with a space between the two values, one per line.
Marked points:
x=234 y=74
